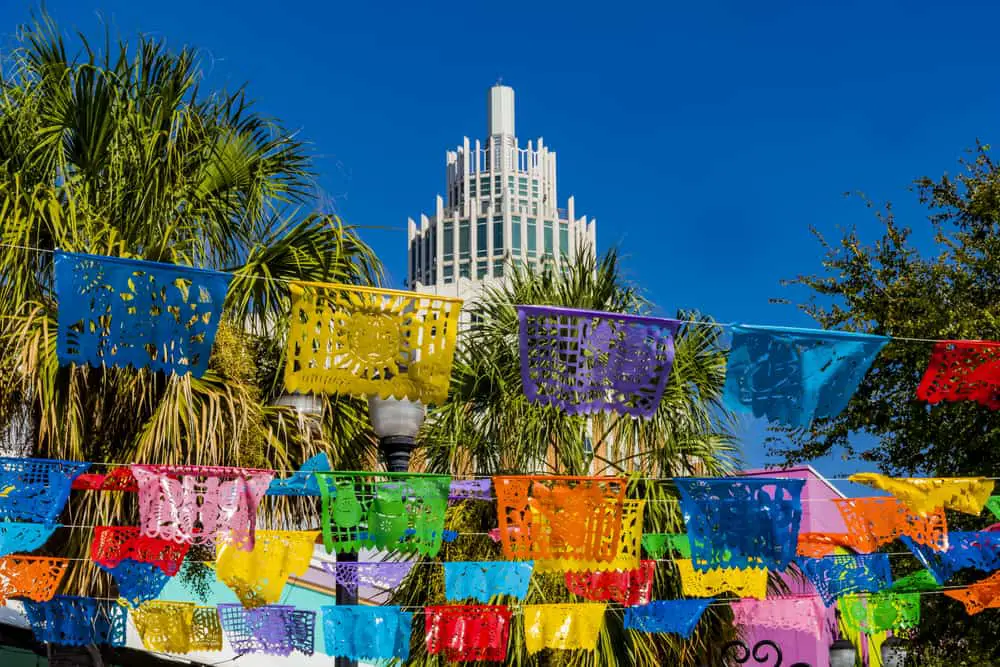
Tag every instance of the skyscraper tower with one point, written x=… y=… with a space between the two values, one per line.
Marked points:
x=501 y=209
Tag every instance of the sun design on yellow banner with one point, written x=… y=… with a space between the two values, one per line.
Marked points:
x=364 y=341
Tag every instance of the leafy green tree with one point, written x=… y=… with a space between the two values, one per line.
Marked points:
x=950 y=290
x=487 y=427
x=120 y=152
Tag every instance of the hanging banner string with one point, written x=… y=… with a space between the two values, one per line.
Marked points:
x=717 y=602
x=706 y=323
x=473 y=477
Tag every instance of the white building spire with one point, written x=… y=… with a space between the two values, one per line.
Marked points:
x=499 y=210
x=500 y=111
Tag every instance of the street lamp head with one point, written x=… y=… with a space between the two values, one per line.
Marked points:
x=305 y=405
x=395 y=417
x=843 y=654
x=894 y=652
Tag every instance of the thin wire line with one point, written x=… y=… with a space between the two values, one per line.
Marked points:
x=442 y=563
x=717 y=602
x=474 y=477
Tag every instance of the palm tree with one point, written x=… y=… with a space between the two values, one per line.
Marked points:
x=120 y=152
x=488 y=426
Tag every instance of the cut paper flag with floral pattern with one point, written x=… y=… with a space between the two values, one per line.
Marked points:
x=628 y=588
x=744 y=583
x=627 y=553
x=993 y=505
x=275 y=629
x=467 y=633
x=818 y=545
x=35 y=490
x=919 y=581
x=984 y=594
x=749 y=522
x=200 y=504
x=34 y=577
x=77 y=621
x=679 y=617
x=793 y=376
x=976 y=550
x=258 y=577
x=562 y=627
x=926 y=494
x=376 y=510
x=585 y=361
x=386 y=575
x=137 y=582
x=658 y=545
x=963 y=370
x=114 y=544
x=804 y=614
x=872 y=522
x=845 y=574
x=117 y=479
x=303 y=481
x=16 y=537
x=178 y=627
x=879 y=612
x=347 y=339
x=470 y=489
x=119 y=312
x=576 y=520
x=483 y=581
x=367 y=633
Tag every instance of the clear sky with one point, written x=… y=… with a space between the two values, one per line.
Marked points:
x=705 y=137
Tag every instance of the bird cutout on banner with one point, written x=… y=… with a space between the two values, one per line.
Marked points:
x=40 y=488
x=200 y=504
x=118 y=313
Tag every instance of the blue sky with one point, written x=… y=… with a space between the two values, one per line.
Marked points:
x=704 y=137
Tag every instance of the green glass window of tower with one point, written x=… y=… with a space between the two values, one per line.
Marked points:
x=481 y=237
x=497 y=236
x=563 y=240
x=532 y=238
x=515 y=235
x=449 y=241
x=464 y=238
x=498 y=267
x=463 y=270
x=481 y=269
x=547 y=237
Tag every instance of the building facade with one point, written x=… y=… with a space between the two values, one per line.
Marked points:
x=501 y=209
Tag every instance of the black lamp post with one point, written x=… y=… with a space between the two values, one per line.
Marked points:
x=396 y=423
